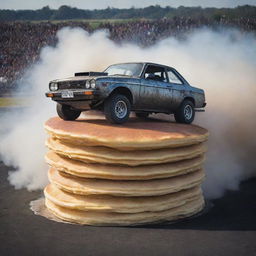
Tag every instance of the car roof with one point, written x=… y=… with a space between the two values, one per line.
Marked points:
x=144 y=63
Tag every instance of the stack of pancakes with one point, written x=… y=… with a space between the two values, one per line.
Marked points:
x=141 y=172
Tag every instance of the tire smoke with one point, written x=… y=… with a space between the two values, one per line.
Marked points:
x=221 y=62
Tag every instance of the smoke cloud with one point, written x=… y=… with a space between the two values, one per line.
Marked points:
x=221 y=62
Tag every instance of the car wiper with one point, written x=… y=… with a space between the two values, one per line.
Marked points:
x=120 y=75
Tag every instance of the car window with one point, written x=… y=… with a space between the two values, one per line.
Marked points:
x=155 y=73
x=128 y=69
x=173 y=78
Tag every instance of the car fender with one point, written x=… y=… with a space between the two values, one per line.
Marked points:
x=128 y=89
x=198 y=95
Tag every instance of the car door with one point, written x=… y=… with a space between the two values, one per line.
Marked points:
x=155 y=94
x=177 y=88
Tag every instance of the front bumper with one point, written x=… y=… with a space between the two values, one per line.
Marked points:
x=77 y=95
x=81 y=99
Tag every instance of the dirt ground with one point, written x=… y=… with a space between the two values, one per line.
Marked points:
x=227 y=228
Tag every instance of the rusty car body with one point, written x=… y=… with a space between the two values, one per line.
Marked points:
x=142 y=87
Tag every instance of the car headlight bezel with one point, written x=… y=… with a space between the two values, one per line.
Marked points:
x=93 y=83
x=53 y=86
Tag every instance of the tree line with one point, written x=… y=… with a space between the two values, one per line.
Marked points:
x=152 y=12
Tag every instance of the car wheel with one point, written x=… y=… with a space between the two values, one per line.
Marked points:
x=185 y=113
x=65 y=112
x=117 y=108
x=141 y=115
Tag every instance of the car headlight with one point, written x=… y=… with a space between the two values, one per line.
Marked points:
x=93 y=84
x=87 y=84
x=53 y=86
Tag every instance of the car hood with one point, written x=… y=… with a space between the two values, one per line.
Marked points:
x=75 y=78
x=82 y=78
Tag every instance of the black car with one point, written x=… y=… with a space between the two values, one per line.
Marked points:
x=141 y=87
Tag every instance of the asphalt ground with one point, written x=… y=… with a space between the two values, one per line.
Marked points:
x=228 y=227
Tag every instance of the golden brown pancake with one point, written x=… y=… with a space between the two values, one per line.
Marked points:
x=114 y=172
x=84 y=186
x=110 y=218
x=104 y=155
x=134 y=135
x=107 y=203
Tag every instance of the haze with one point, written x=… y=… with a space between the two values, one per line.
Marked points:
x=102 y=4
x=227 y=76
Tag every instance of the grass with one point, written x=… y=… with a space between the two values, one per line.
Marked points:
x=13 y=102
x=88 y=20
x=93 y=23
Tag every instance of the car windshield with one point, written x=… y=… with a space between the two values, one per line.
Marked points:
x=127 y=69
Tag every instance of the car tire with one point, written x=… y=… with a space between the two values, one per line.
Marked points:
x=141 y=114
x=117 y=108
x=66 y=112
x=185 y=113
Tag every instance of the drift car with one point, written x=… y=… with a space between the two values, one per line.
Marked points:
x=141 y=87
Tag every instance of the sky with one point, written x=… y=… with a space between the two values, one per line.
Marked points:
x=102 y=4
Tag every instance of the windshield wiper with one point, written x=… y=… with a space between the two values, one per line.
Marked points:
x=120 y=75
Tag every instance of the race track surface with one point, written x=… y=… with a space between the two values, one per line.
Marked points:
x=227 y=228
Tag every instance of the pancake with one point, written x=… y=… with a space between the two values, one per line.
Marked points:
x=107 y=218
x=106 y=155
x=134 y=135
x=113 y=172
x=120 y=204
x=84 y=186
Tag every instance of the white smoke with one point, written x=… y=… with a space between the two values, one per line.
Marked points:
x=222 y=63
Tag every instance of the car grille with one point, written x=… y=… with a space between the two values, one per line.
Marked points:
x=71 y=84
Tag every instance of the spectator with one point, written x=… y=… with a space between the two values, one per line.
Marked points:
x=21 y=42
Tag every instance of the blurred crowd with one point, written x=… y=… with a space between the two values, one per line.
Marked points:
x=21 y=42
x=146 y=33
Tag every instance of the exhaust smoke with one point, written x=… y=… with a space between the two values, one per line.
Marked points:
x=221 y=62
